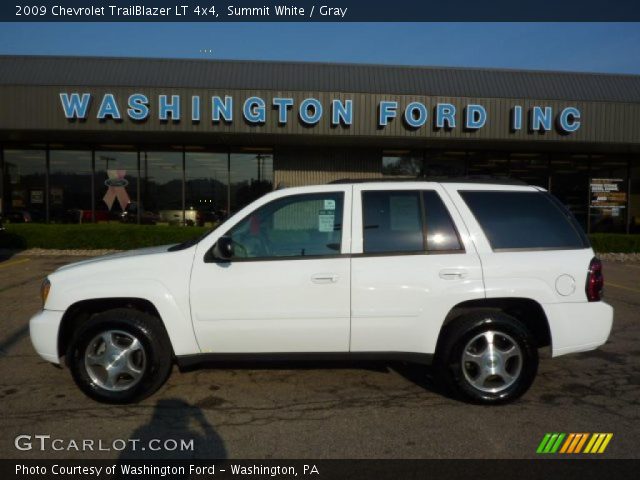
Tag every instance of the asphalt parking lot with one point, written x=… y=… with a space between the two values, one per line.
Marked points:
x=369 y=410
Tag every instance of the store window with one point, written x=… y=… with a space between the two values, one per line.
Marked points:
x=634 y=196
x=161 y=184
x=608 y=194
x=531 y=168
x=402 y=163
x=116 y=186
x=206 y=187
x=70 y=186
x=445 y=164
x=489 y=164
x=251 y=176
x=24 y=185
x=569 y=182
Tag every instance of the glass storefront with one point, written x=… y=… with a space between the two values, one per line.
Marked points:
x=403 y=163
x=603 y=191
x=532 y=168
x=116 y=186
x=161 y=187
x=251 y=176
x=190 y=186
x=569 y=181
x=24 y=185
x=206 y=187
x=446 y=164
x=488 y=163
x=193 y=186
x=609 y=188
x=634 y=197
x=70 y=186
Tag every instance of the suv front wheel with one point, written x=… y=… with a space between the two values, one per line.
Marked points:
x=488 y=357
x=120 y=356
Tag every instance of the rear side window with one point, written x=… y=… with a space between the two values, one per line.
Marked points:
x=524 y=220
x=400 y=221
x=441 y=233
x=392 y=221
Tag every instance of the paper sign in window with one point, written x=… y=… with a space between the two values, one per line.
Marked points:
x=326 y=220
x=329 y=204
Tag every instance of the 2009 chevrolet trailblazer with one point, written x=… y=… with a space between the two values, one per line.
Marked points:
x=473 y=277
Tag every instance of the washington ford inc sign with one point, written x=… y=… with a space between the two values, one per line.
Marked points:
x=310 y=111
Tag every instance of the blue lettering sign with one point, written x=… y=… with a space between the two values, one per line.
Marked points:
x=195 y=108
x=387 y=111
x=541 y=119
x=138 y=107
x=341 y=112
x=415 y=114
x=109 y=108
x=569 y=119
x=476 y=117
x=254 y=110
x=282 y=104
x=516 y=118
x=445 y=113
x=75 y=106
x=166 y=108
x=222 y=109
x=310 y=104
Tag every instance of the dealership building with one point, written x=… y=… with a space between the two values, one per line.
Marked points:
x=86 y=139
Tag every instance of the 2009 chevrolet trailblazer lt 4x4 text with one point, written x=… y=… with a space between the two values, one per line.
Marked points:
x=471 y=276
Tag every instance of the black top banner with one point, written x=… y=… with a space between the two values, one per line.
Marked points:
x=320 y=11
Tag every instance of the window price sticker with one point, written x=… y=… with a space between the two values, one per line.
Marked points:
x=326 y=220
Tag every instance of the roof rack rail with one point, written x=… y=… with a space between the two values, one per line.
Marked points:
x=440 y=179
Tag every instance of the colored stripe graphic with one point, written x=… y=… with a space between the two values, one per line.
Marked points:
x=550 y=443
x=598 y=442
x=573 y=443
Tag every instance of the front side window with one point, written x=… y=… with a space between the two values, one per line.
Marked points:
x=524 y=220
x=296 y=226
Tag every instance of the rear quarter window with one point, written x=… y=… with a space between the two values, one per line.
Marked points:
x=524 y=220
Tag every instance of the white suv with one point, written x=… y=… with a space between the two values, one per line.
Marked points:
x=473 y=277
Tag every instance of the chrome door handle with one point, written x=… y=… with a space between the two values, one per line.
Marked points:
x=453 y=273
x=325 y=278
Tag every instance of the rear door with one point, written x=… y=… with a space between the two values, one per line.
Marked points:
x=412 y=261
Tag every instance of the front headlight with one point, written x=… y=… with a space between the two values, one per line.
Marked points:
x=44 y=290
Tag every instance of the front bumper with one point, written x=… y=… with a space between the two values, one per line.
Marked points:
x=43 y=329
x=578 y=327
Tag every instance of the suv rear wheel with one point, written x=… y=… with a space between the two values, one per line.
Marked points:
x=488 y=357
x=120 y=356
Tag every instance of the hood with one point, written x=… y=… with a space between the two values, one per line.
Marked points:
x=116 y=256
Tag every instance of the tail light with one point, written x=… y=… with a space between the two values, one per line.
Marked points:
x=595 y=281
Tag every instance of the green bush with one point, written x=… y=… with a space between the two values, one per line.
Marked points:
x=94 y=236
x=615 y=243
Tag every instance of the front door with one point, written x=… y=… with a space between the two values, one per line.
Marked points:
x=287 y=287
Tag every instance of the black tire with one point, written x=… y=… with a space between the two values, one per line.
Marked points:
x=467 y=334
x=156 y=347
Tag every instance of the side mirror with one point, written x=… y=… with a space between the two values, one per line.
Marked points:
x=223 y=249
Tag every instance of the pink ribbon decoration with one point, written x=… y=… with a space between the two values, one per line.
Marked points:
x=116 y=191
